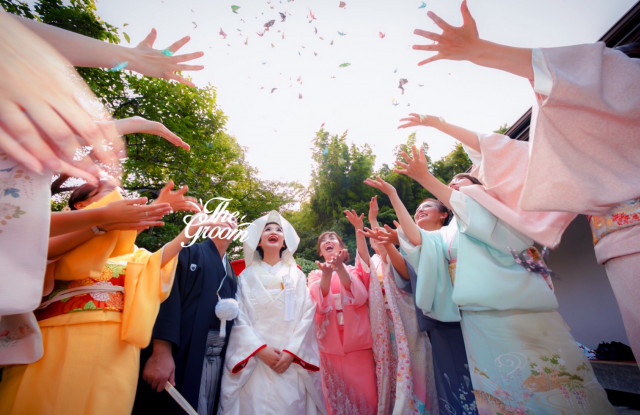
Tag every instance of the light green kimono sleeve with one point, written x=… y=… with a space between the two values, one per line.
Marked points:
x=433 y=293
x=487 y=276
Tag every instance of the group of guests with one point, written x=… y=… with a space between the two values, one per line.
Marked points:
x=454 y=313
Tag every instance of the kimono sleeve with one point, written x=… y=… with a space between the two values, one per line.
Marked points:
x=244 y=341
x=302 y=344
x=323 y=302
x=502 y=166
x=479 y=223
x=487 y=276
x=433 y=288
x=359 y=292
x=401 y=283
x=147 y=284
x=584 y=134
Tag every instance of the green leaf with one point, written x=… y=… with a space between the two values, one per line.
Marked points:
x=126 y=37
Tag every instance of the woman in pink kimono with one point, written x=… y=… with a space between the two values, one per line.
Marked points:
x=341 y=294
x=587 y=98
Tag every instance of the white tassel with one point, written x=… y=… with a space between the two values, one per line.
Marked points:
x=226 y=309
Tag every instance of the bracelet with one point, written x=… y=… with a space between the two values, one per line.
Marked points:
x=119 y=66
x=97 y=230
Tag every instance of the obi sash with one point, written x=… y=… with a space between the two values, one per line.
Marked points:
x=104 y=292
x=624 y=215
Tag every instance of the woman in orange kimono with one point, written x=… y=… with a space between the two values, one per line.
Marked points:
x=105 y=299
x=341 y=293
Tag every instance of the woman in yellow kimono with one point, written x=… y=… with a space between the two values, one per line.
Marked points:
x=104 y=303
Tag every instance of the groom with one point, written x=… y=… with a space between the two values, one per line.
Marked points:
x=186 y=348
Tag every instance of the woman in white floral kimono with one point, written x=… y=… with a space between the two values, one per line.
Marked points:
x=272 y=361
x=522 y=358
x=402 y=352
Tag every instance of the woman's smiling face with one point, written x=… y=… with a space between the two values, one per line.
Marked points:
x=272 y=237
x=329 y=246
x=428 y=215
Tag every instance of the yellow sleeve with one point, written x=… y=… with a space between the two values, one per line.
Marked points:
x=146 y=286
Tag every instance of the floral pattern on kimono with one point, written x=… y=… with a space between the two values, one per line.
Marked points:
x=24 y=213
x=410 y=352
x=522 y=358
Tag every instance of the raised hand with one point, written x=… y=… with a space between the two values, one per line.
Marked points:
x=325 y=267
x=391 y=234
x=153 y=62
x=454 y=43
x=133 y=214
x=384 y=236
x=46 y=112
x=380 y=184
x=142 y=125
x=339 y=260
x=416 y=120
x=372 y=233
x=414 y=166
x=354 y=219
x=373 y=212
x=177 y=200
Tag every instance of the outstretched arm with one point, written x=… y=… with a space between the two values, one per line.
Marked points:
x=85 y=51
x=117 y=212
x=418 y=169
x=406 y=221
x=466 y=137
x=384 y=237
x=464 y=43
x=138 y=124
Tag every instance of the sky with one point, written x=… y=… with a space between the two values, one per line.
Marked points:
x=337 y=65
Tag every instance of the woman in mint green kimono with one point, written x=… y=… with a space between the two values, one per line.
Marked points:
x=521 y=356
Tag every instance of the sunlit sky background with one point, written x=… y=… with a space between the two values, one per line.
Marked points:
x=277 y=126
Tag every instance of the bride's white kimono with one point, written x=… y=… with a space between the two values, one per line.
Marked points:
x=275 y=309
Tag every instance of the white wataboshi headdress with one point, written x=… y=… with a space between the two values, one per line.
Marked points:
x=291 y=239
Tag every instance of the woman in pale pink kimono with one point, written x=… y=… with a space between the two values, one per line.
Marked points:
x=342 y=325
x=583 y=154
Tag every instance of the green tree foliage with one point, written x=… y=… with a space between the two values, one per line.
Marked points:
x=215 y=166
x=453 y=163
x=337 y=185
